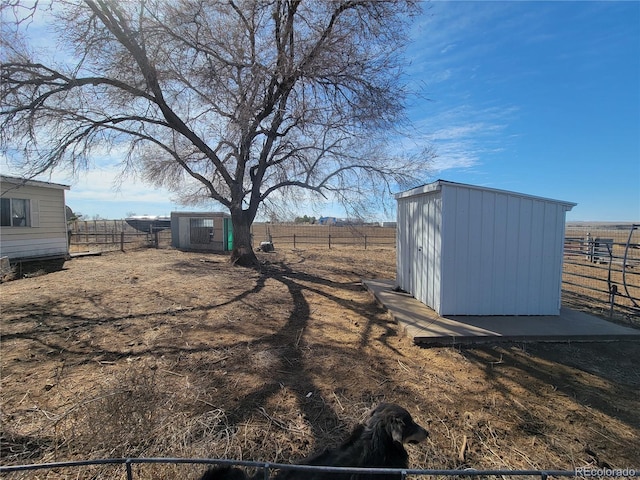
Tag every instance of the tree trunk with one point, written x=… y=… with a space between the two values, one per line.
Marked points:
x=242 y=253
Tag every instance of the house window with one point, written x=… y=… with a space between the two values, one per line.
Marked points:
x=15 y=212
x=201 y=230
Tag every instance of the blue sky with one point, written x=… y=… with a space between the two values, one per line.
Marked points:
x=541 y=98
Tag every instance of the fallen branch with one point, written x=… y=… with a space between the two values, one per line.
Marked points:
x=463 y=448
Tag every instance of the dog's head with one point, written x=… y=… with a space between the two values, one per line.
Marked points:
x=397 y=423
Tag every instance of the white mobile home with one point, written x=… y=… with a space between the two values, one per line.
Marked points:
x=33 y=224
x=469 y=250
x=202 y=231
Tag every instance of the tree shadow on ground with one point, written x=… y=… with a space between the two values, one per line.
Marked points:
x=50 y=330
x=598 y=378
x=294 y=372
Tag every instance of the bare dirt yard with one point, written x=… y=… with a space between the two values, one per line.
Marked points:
x=162 y=353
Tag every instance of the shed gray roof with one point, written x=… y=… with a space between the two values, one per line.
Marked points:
x=437 y=185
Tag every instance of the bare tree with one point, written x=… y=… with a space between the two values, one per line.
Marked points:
x=245 y=102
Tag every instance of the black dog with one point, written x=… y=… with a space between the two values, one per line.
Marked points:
x=378 y=444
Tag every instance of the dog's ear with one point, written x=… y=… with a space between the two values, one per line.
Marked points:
x=385 y=418
x=395 y=428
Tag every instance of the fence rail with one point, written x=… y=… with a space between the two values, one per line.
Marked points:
x=111 y=235
x=111 y=241
x=268 y=467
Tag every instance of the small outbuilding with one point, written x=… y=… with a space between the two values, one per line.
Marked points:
x=202 y=231
x=33 y=223
x=470 y=250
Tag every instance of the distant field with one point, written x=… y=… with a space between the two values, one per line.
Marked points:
x=288 y=234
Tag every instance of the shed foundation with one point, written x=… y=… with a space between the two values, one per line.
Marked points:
x=425 y=327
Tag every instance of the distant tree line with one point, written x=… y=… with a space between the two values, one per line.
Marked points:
x=305 y=219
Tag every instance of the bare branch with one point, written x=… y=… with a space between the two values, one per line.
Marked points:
x=234 y=100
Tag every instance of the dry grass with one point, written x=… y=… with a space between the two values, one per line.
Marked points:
x=165 y=353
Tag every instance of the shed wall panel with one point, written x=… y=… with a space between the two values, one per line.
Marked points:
x=415 y=230
x=521 y=235
x=401 y=245
x=498 y=267
x=496 y=262
x=405 y=245
x=433 y=249
x=420 y=232
x=512 y=256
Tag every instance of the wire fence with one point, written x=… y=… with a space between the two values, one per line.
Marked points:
x=330 y=236
x=601 y=270
x=267 y=468
x=112 y=235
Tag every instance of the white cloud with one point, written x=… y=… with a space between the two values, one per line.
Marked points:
x=102 y=191
x=105 y=192
x=463 y=127
x=463 y=135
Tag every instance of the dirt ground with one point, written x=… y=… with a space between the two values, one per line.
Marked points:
x=161 y=353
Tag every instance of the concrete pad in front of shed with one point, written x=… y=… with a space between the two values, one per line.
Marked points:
x=425 y=326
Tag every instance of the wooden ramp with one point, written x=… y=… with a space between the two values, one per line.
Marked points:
x=426 y=327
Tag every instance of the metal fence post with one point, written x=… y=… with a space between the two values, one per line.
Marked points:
x=613 y=290
x=129 y=469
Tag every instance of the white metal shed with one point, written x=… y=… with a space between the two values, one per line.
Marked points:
x=205 y=231
x=469 y=250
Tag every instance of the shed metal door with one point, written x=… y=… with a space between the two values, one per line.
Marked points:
x=201 y=231
x=419 y=244
x=428 y=274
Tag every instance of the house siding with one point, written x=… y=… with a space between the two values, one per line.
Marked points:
x=47 y=235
